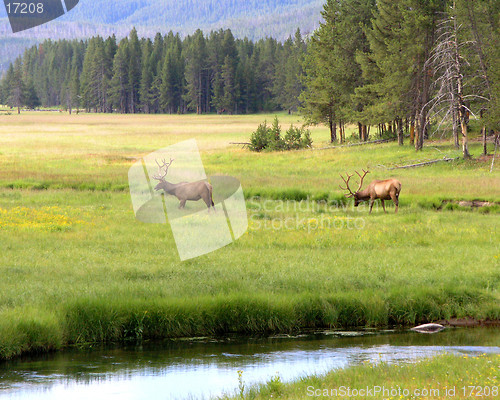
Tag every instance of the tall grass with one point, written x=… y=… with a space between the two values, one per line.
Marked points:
x=441 y=377
x=106 y=276
x=77 y=266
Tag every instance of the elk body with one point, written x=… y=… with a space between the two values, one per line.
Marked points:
x=184 y=191
x=384 y=190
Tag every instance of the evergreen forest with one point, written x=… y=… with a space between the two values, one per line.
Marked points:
x=408 y=66
x=202 y=74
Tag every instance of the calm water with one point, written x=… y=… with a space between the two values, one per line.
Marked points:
x=205 y=367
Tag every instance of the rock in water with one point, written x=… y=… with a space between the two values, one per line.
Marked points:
x=428 y=328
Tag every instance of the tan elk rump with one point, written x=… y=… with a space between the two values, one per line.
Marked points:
x=184 y=191
x=388 y=189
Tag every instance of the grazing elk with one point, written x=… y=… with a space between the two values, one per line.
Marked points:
x=383 y=190
x=184 y=191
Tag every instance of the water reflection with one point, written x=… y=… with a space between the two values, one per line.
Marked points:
x=206 y=367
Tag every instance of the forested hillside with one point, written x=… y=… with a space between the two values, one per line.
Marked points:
x=252 y=19
x=394 y=64
x=175 y=14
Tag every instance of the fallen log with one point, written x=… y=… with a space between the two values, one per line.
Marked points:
x=357 y=144
x=425 y=163
x=243 y=144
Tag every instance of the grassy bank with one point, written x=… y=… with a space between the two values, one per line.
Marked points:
x=441 y=377
x=78 y=267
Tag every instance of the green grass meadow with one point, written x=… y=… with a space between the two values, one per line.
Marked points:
x=441 y=377
x=76 y=266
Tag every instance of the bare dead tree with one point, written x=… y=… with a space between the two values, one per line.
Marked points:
x=448 y=64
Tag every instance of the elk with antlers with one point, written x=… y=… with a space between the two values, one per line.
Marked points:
x=184 y=191
x=383 y=190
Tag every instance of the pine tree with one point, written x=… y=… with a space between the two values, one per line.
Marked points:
x=287 y=84
x=134 y=71
x=195 y=73
x=230 y=87
x=387 y=93
x=119 y=87
x=7 y=81
x=156 y=63
x=247 y=76
x=17 y=92
x=215 y=61
x=331 y=71
x=95 y=77
x=147 y=77
x=74 y=83
x=31 y=99
x=172 y=77
x=265 y=73
x=492 y=55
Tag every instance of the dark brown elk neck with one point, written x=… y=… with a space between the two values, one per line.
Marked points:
x=363 y=194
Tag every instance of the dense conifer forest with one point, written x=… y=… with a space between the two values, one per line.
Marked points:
x=400 y=65
x=201 y=73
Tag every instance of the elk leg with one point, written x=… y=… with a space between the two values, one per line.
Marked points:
x=383 y=206
x=183 y=203
x=371 y=205
x=207 y=202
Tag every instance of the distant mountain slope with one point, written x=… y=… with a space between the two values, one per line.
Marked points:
x=254 y=19
x=184 y=13
x=185 y=16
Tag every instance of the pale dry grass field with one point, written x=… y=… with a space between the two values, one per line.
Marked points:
x=50 y=148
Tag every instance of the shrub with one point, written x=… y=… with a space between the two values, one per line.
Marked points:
x=269 y=138
x=259 y=139
x=275 y=143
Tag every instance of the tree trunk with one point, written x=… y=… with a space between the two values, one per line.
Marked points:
x=465 y=145
x=417 y=131
x=423 y=97
x=461 y=110
x=399 y=122
x=485 y=150
x=456 y=140
x=333 y=131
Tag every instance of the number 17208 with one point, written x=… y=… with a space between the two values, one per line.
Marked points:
x=24 y=8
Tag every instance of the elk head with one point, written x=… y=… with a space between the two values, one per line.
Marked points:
x=351 y=193
x=159 y=176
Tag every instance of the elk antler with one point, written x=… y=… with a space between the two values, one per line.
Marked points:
x=351 y=193
x=362 y=177
x=347 y=185
x=158 y=175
